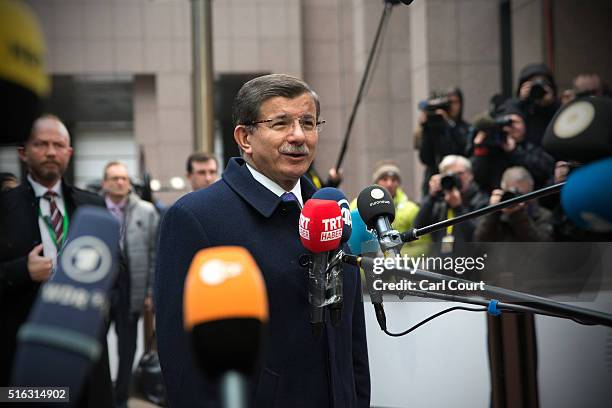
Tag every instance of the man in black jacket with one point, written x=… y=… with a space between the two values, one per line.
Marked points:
x=34 y=219
x=441 y=134
x=494 y=152
x=450 y=199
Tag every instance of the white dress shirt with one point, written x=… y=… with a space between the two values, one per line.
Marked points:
x=275 y=188
x=49 y=248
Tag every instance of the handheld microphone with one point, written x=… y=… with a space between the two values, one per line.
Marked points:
x=225 y=308
x=581 y=130
x=320 y=229
x=62 y=334
x=586 y=197
x=361 y=236
x=335 y=277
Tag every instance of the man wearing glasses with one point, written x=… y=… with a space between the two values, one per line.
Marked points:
x=257 y=204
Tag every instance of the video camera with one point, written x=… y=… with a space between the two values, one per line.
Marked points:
x=431 y=105
x=494 y=129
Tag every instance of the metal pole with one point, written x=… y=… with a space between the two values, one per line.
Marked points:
x=203 y=85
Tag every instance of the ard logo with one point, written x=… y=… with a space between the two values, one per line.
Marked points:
x=86 y=259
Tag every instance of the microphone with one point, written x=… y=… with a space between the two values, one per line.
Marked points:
x=225 y=308
x=581 y=130
x=586 y=197
x=62 y=334
x=377 y=210
x=335 y=276
x=320 y=229
x=360 y=236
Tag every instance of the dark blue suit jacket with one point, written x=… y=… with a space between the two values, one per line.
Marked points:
x=297 y=369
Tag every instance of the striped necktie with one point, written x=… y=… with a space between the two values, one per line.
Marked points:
x=56 y=217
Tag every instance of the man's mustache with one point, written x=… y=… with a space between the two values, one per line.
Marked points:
x=294 y=149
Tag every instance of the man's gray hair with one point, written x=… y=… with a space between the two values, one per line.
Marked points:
x=451 y=159
x=255 y=92
x=516 y=174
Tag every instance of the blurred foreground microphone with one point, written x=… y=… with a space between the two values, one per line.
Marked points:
x=335 y=276
x=581 y=131
x=23 y=78
x=586 y=196
x=320 y=232
x=61 y=339
x=226 y=309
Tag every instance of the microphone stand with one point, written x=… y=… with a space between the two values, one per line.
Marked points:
x=234 y=390
x=536 y=304
x=415 y=233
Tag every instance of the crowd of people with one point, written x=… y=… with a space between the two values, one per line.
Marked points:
x=277 y=119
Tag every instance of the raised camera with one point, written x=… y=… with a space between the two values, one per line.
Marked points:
x=450 y=181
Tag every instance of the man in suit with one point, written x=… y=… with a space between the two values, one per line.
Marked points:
x=138 y=220
x=256 y=204
x=34 y=220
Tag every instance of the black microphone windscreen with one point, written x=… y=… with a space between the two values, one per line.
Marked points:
x=229 y=344
x=374 y=202
x=581 y=131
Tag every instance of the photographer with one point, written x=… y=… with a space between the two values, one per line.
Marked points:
x=451 y=193
x=522 y=222
x=501 y=143
x=442 y=131
x=537 y=93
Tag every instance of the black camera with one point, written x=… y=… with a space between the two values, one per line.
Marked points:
x=510 y=194
x=430 y=107
x=494 y=129
x=537 y=90
x=450 y=181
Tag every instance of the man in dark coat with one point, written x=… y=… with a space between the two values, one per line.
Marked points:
x=257 y=205
x=29 y=240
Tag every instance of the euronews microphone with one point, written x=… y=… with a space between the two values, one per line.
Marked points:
x=320 y=229
x=377 y=210
x=62 y=338
x=335 y=275
x=225 y=308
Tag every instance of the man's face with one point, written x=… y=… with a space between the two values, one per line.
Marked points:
x=390 y=182
x=455 y=107
x=464 y=174
x=283 y=155
x=117 y=182
x=47 y=152
x=517 y=130
x=522 y=187
x=203 y=174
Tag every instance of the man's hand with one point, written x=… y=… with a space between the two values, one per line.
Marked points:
x=561 y=171
x=434 y=185
x=39 y=266
x=510 y=144
x=453 y=198
x=335 y=176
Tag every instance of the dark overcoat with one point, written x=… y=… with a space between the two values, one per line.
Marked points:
x=298 y=370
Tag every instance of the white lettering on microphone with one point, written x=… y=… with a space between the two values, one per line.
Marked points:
x=304 y=221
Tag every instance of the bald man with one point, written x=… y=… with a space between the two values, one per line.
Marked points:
x=34 y=221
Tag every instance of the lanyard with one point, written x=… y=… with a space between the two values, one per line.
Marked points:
x=449 y=214
x=47 y=221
